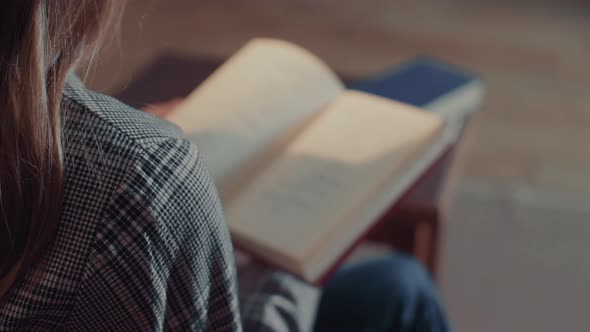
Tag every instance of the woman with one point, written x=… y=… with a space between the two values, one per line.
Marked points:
x=109 y=221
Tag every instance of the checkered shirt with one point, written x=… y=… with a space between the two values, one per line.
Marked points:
x=142 y=244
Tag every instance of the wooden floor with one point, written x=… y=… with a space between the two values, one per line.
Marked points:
x=533 y=55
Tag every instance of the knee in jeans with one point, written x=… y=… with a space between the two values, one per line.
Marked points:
x=405 y=276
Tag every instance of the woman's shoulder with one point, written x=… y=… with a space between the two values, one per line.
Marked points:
x=113 y=118
x=137 y=196
x=121 y=160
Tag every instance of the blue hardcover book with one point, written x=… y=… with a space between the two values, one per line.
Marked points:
x=429 y=84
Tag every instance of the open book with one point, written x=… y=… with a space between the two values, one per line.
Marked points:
x=303 y=166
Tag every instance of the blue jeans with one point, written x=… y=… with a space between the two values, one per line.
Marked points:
x=392 y=293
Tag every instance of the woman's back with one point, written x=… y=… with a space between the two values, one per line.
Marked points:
x=141 y=243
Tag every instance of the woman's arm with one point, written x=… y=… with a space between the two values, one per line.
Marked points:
x=271 y=300
x=162 y=258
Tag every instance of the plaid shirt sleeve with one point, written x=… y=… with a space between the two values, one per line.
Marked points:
x=275 y=301
x=163 y=259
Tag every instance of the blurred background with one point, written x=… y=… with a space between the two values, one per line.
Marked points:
x=514 y=249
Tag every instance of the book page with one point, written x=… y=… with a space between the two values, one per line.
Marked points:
x=359 y=142
x=373 y=207
x=251 y=102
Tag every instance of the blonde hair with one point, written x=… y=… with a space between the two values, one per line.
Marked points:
x=40 y=42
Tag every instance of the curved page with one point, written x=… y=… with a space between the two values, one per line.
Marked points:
x=305 y=196
x=251 y=104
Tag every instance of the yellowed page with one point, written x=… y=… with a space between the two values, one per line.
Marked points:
x=348 y=151
x=253 y=100
x=357 y=221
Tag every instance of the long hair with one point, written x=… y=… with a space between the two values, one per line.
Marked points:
x=40 y=42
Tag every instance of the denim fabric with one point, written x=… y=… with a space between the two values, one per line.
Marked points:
x=390 y=293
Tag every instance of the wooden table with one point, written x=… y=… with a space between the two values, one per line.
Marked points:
x=415 y=225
